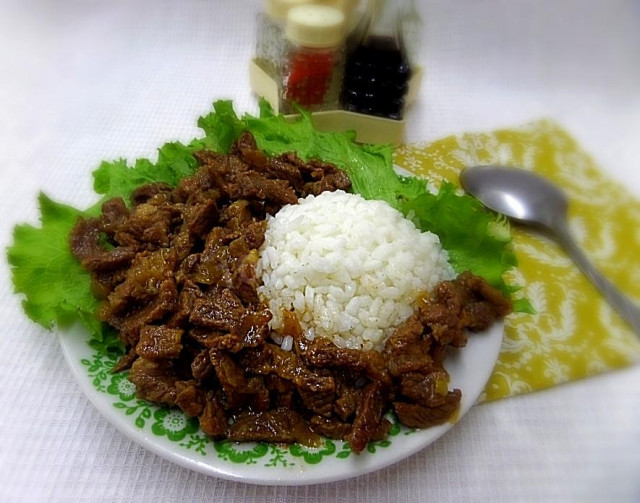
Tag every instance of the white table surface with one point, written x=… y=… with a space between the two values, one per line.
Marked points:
x=82 y=81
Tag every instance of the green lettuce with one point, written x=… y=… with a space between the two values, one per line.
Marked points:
x=57 y=290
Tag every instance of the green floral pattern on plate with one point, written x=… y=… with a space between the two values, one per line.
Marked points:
x=176 y=426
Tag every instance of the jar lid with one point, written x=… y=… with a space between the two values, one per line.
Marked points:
x=278 y=9
x=315 y=26
x=346 y=6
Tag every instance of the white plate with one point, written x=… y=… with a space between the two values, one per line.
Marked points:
x=170 y=434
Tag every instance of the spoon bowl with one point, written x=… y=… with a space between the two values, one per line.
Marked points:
x=531 y=199
x=517 y=194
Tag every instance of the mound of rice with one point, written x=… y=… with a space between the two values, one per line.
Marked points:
x=352 y=269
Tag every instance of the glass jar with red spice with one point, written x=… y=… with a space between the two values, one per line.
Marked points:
x=312 y=67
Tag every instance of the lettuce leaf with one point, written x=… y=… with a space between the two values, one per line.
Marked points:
x=57 y=289
x=463 y=225
x=116 y=179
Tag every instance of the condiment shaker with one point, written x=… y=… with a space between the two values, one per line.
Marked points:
x=377 y=71
x=314 y=57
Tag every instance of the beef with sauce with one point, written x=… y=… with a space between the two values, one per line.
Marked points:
x=175 y=273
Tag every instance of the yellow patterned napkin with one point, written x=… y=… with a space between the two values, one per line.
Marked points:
x=574 y=333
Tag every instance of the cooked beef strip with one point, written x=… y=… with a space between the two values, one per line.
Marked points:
x=331 y=182
x=248 y=150
x=190 y=397
x=114 y=214
x=279 y=168
x=159 y=343
x=155 y=381
x=221 y=341
x=317 y=394
x=185 y=302
x=142 y=283
x=176 y=275
x=382 y=430
x=194 y=187
x=347 y=397
x=368 y=415
x=201 y=366
x=283 y=392
x=199 y=218
x=328 y=427
x=251 y=185
x=315 y=389
x=103 y=283
x=323 y=353
x=218 y=309
x=416 y=415
x=277 y=425
x=213 y=419
x=428 y=389
x=85 y=243
x=145 y=192
x=237 y=215
x=254 y=327
x=125 y=361
x=153 y=309
x=149 y=226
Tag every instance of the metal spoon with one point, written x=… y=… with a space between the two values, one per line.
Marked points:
x=531 y=199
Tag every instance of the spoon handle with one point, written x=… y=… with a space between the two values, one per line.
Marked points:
x=628 y=310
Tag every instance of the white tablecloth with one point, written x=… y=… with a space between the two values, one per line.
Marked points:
x=82 y=81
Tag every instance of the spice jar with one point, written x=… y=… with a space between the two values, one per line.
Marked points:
x=314 y=55
x=270 y=35
x=377 y=72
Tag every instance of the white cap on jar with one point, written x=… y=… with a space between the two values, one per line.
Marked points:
x=278 y=9
x=346 y=6
x=315 y=26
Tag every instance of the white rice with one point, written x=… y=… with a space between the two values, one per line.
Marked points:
x=350 y=268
